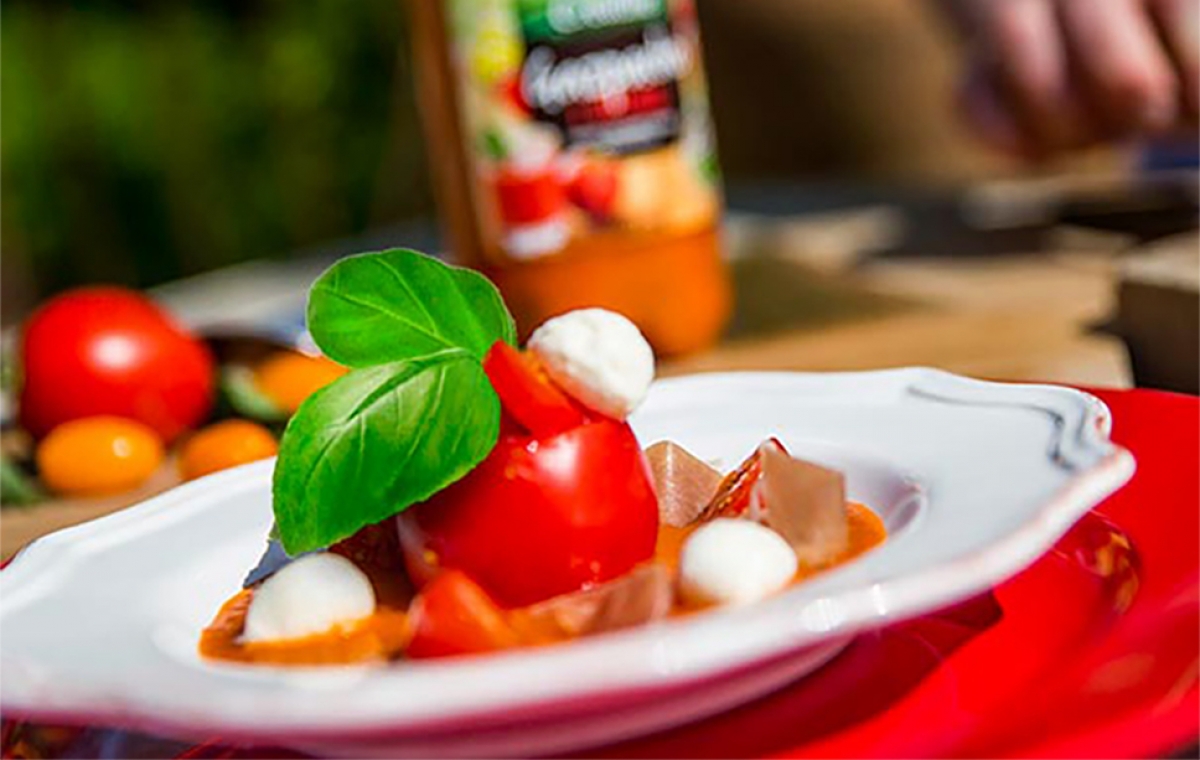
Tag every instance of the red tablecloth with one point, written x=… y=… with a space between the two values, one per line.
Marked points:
x=1094 y=651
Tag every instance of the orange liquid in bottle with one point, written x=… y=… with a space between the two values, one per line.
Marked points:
x=573 y=158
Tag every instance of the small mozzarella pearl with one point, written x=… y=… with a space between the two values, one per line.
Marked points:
x=597 y=356
x=730 y=561
x=311 y=595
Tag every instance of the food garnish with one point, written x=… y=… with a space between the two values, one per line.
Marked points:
x=735 y=494
x=541 y=516
x=640 y=596
x=415 y=414
x=453 y=494
x=597 y=356
x=732 y=561
x=684 y=484
x=313 y=595
x=811 y=514
x=453 y=615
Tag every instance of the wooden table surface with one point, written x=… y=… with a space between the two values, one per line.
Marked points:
x=804 y=304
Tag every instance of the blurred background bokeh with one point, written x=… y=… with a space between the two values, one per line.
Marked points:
x=148 y=140
x=222 y=153
x=144 y=141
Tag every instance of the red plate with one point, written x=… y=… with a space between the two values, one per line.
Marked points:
x=1094 y=651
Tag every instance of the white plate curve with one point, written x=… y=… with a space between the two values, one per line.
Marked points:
x=975 y=480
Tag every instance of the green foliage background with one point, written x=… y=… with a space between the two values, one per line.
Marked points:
x=143 y=141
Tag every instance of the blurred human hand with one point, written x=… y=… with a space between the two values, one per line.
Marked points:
x=1045 y=76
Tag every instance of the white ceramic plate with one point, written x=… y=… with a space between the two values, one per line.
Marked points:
x=974 y=480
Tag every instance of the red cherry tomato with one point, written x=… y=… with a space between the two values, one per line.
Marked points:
x=527 y=393
x=541 y=516
x=453 y=615
x=110 y=351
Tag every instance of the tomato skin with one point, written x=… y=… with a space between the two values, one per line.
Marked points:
x=540 y=516
x=527 y=394
x=111 y=351
x=452 y=615
x=288 y=378
x=224 y=445
x=98 y=456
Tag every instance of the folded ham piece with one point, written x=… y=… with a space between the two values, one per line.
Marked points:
x=643 y=595
x=806 y=504
x=802 y=501
x=684 y=484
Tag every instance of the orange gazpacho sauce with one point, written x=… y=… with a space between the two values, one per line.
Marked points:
x=380 y=637
x=385 y=634
x=866 y=532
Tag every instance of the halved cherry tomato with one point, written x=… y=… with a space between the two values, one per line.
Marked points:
x=453 y=615
x=541 y=516
x=527 y=394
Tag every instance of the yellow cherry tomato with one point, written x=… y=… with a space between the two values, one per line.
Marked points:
x=224 y=445
x=95 y=456
x=287 y=377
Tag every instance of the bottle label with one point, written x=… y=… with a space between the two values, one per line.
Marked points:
x=583 y=117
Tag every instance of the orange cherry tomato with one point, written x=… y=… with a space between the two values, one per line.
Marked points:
x=224 y=445
x=95 y=456
x=288 y=377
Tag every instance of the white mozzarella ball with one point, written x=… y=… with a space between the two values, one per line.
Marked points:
x=597 y=356
x=730 y=561
x=313 y=594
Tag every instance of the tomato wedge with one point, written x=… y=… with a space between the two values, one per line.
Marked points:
x=734 y=496
x=452 y=615
x=527 y=394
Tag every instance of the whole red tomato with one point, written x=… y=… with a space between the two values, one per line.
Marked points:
x=108 y=350
x=546 y=513
x=541 y=517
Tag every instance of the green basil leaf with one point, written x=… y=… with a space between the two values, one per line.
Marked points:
x=399 y=304
x=379 y=440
